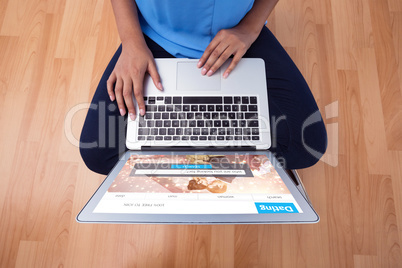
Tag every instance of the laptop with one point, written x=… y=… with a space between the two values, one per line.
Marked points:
x=199 y=155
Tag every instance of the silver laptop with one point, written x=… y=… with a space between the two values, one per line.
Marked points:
x=199 y=156
x=196 y=111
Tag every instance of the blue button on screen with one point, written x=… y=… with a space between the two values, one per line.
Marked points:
x=265 y=208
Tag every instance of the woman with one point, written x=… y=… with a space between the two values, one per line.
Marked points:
x=213 y=31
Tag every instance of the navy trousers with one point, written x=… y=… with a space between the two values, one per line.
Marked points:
x=299 y=137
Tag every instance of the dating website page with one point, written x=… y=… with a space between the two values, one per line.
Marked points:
x=198 y=184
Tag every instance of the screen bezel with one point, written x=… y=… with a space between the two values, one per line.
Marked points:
x=88 y=216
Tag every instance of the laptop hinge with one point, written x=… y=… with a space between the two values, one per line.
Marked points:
x=198 y=148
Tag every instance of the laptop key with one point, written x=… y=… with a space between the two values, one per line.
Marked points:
x=165 y=115
x=171 y=131
x=255 y=138
x=159 y=138
x=158 y=123
x=141 y=138
x=192 y=123
x=202 y=100
x=183 y=123
x=250 y=115
x=196 y=131
x=175 y=123
x=252 y=108
x=203 y=138
x=167 y=138
x=194 y=138
x=206 y=115
x=175 y=138
x=244 y=100
x=154 y=131
x=253 y=100
x=252 y=123
x=176 y=100
x=227 y=100
x=150 y=138
x=168 y=100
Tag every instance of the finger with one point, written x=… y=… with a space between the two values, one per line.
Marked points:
x=220 y=61
x=128 y=97
x=110 y=86
x=138 y=93
x=233 y=64
x=210 y=48
x=119 y=96
x=212 y=59
x=153 y=72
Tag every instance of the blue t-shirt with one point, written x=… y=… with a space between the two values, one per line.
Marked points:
x=184 y=28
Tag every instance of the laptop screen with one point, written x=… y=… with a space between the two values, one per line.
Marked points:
x=198 y=184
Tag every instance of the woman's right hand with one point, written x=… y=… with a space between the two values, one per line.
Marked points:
x=127 y=79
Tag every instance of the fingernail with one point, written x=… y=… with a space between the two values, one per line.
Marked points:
x=160 y=87
x=132 y=116
x=122 y=112
x=142 y=112
x=225 y=75
x=210 y=72
x=111 y=98
x=199 y=64
x=203 y=71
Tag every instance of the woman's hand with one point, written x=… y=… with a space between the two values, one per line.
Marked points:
x=228 y=42
x=128 y=78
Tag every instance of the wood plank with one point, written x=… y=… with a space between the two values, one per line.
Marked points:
x=391 y=95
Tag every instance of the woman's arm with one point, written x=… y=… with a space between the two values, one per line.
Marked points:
x=237 y=40
x=135 y=60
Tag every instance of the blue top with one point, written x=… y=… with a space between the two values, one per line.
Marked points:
x=185 y=28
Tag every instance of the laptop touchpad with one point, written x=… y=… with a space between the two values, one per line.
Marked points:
x=189 y=78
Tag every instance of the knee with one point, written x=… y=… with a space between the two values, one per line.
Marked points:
x=313 y=145
x=94 y=160
x=305 y=150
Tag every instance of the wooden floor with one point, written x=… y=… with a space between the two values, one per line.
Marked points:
x=52 y=54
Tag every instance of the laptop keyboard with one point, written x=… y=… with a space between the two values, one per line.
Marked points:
x=199 y=118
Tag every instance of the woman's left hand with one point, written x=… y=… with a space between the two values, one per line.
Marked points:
x=227 y=42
